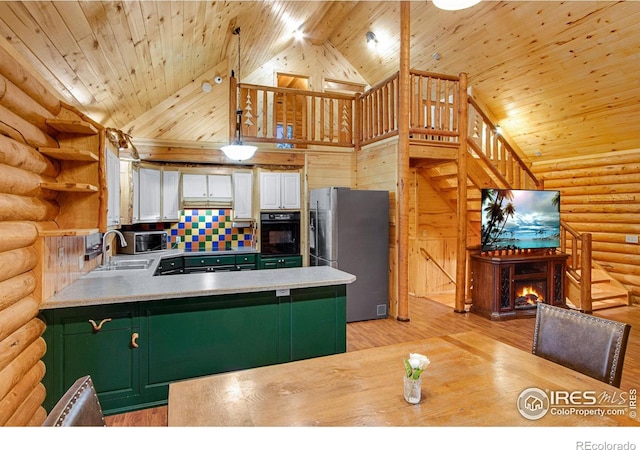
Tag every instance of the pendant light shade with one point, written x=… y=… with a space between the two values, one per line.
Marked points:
x=237 y=149
x=455 y=5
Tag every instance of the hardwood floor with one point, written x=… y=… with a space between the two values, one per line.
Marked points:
x=435 y=318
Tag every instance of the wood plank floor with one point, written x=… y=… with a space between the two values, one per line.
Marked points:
x=431 y=318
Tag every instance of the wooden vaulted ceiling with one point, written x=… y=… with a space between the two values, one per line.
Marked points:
x=561 y=78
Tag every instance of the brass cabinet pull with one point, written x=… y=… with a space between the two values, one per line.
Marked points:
x=98 y=327
x=134 y=340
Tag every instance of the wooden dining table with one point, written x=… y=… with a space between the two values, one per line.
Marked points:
x=472 y=380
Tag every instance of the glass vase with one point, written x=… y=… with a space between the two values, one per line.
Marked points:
x=412 y=390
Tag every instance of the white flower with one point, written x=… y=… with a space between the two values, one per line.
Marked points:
x=415 y=365
x=418 y=361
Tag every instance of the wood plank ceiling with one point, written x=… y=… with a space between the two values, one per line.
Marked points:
x=560 y=77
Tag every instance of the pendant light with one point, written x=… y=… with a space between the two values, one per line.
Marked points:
x=455 y=5
x=238 y=150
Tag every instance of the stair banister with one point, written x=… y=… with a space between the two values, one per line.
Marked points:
x=580 y=262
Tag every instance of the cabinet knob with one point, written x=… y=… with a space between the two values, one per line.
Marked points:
x=98 y=327
x=134 y=340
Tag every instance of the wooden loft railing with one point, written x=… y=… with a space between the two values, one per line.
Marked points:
x=291 y=117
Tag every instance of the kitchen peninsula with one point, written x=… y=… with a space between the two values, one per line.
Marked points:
x=134 y=332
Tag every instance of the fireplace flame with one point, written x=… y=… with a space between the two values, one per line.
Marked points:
x=528 y=296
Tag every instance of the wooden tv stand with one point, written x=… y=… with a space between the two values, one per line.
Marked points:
x=509 y=286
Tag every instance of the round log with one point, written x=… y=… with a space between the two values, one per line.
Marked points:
x=579 y=162
x=18 y=75
x=38 y=418
x=17 y=235
x=16 y=262
x=22 y=131
x=13 y=317
x=15 y=288
x=17 y=207
x=22 y=156
x=19 y=340
x=11 y=375
x=22 y=182
x=23 y=390
x=29 y=405
x=20 y=103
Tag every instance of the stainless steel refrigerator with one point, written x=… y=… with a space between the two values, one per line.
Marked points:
x=349 y=230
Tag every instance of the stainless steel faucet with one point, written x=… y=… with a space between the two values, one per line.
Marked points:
x=123 y=242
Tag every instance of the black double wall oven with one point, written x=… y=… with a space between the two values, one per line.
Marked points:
x=280 y=233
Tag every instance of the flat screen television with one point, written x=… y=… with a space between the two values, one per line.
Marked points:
x=520 y=219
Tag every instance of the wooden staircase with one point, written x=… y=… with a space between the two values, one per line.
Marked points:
x=606 y=292
x=493 y=163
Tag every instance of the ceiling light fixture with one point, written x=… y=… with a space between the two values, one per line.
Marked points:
x=238 y=150
x=298 y=34
x=455 y=5
x=371 y=39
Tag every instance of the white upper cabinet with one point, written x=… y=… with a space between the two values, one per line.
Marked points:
x=242 y=195
x=113 y=189
x=170 y=194
x=149 y=195
x=201 y=189
x=279 y=190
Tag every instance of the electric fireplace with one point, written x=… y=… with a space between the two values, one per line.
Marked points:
x=509 y=286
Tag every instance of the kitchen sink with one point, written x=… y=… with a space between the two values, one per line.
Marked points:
x=127 y=264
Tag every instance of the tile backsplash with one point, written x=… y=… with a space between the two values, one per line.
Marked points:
x=205 y=230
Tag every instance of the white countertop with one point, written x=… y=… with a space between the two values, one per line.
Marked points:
x=122 y=286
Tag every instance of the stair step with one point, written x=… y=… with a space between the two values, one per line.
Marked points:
x=603 y=291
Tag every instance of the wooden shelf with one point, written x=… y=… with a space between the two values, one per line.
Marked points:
x=72 y=126
x=70 y=187
x=68 y=232
x=69 y=154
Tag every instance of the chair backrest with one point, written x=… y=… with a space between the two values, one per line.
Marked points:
x=79 y=406
x=590 y=345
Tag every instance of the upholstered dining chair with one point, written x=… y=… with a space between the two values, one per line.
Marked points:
x=590 y=345
x=79 y=406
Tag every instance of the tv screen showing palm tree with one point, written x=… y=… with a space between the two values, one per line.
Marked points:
x=519 y=219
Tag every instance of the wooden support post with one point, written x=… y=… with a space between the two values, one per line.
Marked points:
x=461 y=247
x=586 y=298
x=402 y=190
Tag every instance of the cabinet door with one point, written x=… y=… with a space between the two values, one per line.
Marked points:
x=219 y=187
x=242 y=195
x=113 y=189
x=270 y=190
x=290 y=186
x=194 y=337
x=194 y=186
x=149 y=195
x=109 y=354
x=170 y=195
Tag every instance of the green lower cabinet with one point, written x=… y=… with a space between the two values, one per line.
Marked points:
x=282 y=262
x=143 y=346
x=201 y=336
x=97 y=341
x=314 y=315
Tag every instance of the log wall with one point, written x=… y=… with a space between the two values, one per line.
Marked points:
x=26 y=210
x=601 y=195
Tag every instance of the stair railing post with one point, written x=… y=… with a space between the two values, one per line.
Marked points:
x=585 y=275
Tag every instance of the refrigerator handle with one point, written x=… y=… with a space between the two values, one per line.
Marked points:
x=314 y=226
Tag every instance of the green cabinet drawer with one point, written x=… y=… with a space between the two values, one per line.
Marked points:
x=247 y=258
x=209 y=261
x=280 y=262
x=171 y=265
